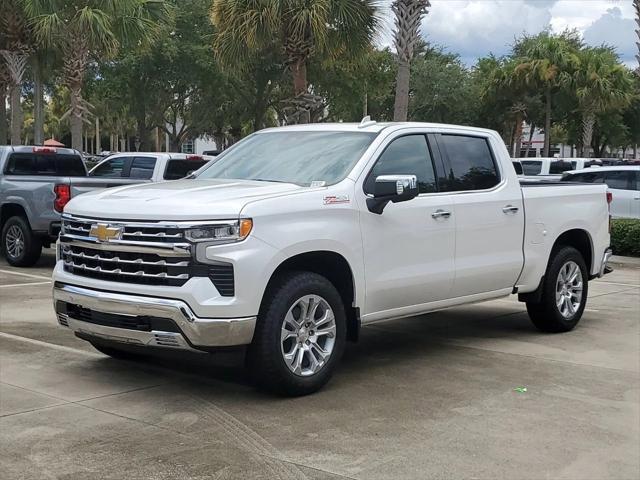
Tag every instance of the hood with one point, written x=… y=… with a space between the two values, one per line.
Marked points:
x=176 y=200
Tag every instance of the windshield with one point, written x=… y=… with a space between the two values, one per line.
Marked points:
x=292 y=157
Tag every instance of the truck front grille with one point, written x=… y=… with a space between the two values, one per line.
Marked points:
x=145 y=253
x=130 y=267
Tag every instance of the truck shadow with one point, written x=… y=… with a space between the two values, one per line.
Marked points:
x=390 y=345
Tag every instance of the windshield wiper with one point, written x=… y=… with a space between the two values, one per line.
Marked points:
x=275 y=181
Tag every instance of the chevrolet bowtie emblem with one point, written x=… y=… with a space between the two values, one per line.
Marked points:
x=105 y=233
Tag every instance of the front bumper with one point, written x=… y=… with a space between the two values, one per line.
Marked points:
x=191 y=332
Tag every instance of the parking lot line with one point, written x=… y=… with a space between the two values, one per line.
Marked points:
x=11 y=272
x=40 y=343
x=24 y=284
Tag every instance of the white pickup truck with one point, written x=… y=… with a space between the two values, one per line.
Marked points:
x=297 y=236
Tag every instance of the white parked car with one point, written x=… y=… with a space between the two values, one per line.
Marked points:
x=623 y=183
x=149 y=166
x=297 y=236
x=546 y=166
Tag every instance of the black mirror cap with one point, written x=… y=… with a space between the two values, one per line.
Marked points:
x=392 y=188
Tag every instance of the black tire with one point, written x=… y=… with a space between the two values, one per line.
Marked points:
x=265 y=357
x=116 y=353
x=546 y=315
x=32 y=245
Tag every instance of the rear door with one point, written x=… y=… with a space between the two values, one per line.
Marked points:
x=489 y=215
x=635 y=203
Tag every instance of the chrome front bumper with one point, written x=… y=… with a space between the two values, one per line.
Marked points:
x=196 y=333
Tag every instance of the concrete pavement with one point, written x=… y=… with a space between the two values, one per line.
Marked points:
x=425 y=397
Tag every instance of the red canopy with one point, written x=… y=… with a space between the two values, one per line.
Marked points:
x=53 y=143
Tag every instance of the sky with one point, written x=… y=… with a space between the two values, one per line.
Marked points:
x=475 y=28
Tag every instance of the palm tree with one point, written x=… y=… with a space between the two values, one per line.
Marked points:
x=409 y=14
x=298 y=29
x=546 y=63
x=636 y=4
x=601 y=84
x=15 y=53
x=82 y=29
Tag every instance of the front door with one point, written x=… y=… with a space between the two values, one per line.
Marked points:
x=409 y=248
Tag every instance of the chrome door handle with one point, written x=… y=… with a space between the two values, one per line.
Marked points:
x=510 y=209
x=440 y=214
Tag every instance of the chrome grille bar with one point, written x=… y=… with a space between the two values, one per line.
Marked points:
x=138 y=261
x=117 y=271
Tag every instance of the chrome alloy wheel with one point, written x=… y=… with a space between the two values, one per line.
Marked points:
x=308 y=335
x=569 y=289
x=14 y=242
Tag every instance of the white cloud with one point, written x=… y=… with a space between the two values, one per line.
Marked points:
x=475 y=28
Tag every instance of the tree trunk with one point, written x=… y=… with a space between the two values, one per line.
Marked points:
x=532 y=129
x=16 y=115
x=401 y=105
x=299 y=73
x=98 y=146
x=75 y=119
x=3 y=115
x=38 y=110
x=547 y=123
x=588 y=121
x=518 y=135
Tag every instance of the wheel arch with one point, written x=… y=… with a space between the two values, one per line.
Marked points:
x=8 y=210
x=577 y=238
x=333 y=266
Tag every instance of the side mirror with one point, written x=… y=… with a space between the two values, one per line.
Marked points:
x=392 y=188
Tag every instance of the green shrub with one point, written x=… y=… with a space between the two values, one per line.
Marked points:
x=625 y=237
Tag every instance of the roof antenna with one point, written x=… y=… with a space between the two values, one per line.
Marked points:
x=366 y=122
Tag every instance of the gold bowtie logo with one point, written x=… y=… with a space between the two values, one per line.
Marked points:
x=105 y=233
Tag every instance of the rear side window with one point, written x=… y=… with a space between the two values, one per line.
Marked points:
x=560 y=167
x=619 y=180
x=517 y=166
x=408 y=155
x=142 y=167
x=471 y=165
x=530 y=167
x=180 y=168
x=584 y=177
x=44 y=164
x=111 y=168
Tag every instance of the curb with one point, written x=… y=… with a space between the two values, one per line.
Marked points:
x=625 y=261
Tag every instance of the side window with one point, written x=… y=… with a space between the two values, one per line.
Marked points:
x=471 y=165
x=142 y=167
x=584 y=177
x=531 y=167
x=636 y=181
x=517 y=166
x=617 y=179
x=111 y=168
x=408 y=155
x=557 y=167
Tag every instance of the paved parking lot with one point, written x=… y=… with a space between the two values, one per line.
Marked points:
x=426 y=397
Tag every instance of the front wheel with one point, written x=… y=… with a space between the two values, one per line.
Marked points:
x=300 y=335
x=564 y=293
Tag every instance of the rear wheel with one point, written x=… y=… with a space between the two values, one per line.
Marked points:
x=19 y=245
x=564 y=293
x=300 y=335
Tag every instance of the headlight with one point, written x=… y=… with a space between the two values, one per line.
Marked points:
x=227 y=232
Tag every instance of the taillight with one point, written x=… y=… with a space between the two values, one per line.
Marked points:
x=44 y=150
x=63 y=195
